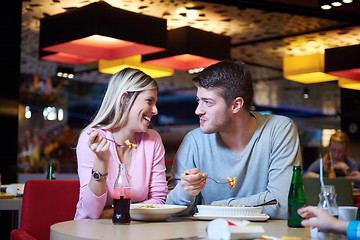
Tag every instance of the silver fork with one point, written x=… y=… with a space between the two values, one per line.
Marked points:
x=118 y=145
x=218 y=182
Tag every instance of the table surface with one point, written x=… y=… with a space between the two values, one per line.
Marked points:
x=173 y=228
x=11 y=203
x=14 y=205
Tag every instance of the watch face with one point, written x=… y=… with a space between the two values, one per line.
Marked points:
x=96 y=175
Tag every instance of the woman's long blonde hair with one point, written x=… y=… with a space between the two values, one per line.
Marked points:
x=122 y=90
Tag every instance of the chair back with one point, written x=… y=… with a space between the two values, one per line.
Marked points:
x=46 y=202
x=343 y=189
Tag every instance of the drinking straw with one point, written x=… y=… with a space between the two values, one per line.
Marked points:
x=322 y=181
x=331 y=162
x=332 y=171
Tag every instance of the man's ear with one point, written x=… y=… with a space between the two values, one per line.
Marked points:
x=237 y=104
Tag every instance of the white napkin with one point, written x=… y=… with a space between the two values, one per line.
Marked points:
x=218 y=229
x=17 y=189
x=226 y=229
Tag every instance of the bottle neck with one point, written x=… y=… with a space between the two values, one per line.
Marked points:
x=297 y=175
x=122 y=167
x=51 y=172
x=122 y=179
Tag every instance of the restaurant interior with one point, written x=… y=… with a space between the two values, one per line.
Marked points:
x=47 y=98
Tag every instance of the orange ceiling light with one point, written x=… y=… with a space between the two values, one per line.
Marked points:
x=349 y=83
x=344 y=62
x=100 y=31
x=65 y=58
x=113 y=66
x=306 y=69
x=190 y=48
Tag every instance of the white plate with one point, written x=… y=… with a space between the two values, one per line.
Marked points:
x=160 y=212
x=262 y=217
x=228 y=210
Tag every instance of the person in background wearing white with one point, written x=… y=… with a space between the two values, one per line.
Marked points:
x=325 y=222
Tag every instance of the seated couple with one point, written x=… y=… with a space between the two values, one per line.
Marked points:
x=232 y=141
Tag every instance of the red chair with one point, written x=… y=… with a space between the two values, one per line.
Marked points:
x=46 y=202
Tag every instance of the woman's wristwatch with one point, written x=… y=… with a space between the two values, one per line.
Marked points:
x=97 y=175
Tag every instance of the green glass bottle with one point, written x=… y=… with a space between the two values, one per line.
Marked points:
x=296 y=198
x=51 y=172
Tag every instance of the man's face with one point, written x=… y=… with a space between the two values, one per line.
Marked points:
x=214 y=114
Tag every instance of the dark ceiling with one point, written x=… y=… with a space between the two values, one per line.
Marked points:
x=262 y=32
x=347 y=12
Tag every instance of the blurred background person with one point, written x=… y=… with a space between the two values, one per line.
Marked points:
x=335 y=159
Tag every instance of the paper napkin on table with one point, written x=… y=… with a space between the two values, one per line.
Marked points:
x=223 y=229
x=16 y=189
x=218 y=229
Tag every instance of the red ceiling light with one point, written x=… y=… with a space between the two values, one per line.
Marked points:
x=190 y=48
x=344 y=63
x=65 y=58
x=350 y=73
x=100 y=31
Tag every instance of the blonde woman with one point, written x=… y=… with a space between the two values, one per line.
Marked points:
x=125 y=114
x=337 y=150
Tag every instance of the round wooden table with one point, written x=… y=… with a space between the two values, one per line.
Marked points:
x=174 y=228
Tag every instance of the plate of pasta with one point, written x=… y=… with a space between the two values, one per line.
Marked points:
x=153 y=212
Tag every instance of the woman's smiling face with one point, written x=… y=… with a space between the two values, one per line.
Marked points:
x=143 y=109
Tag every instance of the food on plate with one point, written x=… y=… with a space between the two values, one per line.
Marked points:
x=129 y=144
x=232 y=181
x=228 y=205
x=264 y=237
x=148 y=206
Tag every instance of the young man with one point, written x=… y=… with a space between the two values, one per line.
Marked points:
x=232 y=141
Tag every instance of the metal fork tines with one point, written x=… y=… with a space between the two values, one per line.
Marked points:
x=175 y=179
x=118 y=145
x=218 y=181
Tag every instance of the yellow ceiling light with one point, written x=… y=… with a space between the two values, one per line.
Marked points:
x=306 y=69
x=349 y=83
x=113 y=66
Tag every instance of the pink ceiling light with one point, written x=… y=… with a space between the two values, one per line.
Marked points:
x=100 y=31
x=344 y=63
x=190 y=48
